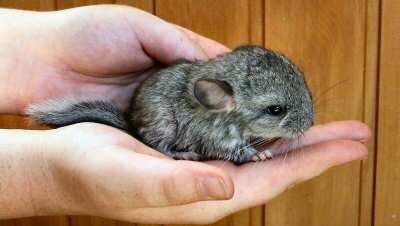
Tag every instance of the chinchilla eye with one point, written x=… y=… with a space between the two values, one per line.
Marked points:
x=275 y=110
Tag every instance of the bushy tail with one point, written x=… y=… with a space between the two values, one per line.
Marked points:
x=66 y=112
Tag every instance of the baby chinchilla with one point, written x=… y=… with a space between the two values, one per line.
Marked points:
x=217 y=109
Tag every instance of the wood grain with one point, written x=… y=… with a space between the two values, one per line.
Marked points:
x=387 y=200
x=36 y=221
x=7 y=223
x=147 y=5
x=370 y=110
x=227 y=22
x=41 y=5
x=257 y=22
x=64 y=4
x=326 y=39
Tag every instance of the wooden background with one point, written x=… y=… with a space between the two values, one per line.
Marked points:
x=349 y=51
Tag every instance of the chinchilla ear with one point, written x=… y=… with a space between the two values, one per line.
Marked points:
x=214 y=94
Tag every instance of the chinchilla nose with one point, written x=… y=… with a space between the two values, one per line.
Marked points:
x=304 y=123
x=310 y=116
x=306 y=120
x=296 y=122
x=308 y=123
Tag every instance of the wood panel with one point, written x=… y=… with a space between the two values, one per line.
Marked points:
x=7 y=223
x=227 y=22
x=370 y=105
x=326 y=39
x=64 y=4
x=147 y=5
x=42 y=5
x=387 y=203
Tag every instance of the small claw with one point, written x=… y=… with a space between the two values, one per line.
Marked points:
x=262 y=156
x=255 y=158
x=193 y=156
x=268 y=154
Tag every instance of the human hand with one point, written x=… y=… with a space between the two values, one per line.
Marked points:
x=98 y=169
x=101 y=171
x=322 y=147
x=89 y=51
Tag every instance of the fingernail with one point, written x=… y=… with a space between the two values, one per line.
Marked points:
x=213 y=188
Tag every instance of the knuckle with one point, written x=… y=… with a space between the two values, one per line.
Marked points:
x=168 y=193
x=180 y=187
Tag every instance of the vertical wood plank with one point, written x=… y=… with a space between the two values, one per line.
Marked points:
x=387 y=200
x=240 y=218
x=370 y=109
x=326 y=39
x=257 y=22
x=226 y=21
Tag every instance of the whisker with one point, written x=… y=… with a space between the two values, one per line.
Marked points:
x=302 y=135
x=292 y=145
x=241 y=149
x=268 y=141
x=330 y=89
x=258 y=140
x=262 y=143
x=329 y=105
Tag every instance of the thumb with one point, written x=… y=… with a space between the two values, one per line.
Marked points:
x=164 y=41
x=148 y=181
x=185 y=182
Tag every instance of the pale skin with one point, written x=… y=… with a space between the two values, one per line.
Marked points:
x=92 y=169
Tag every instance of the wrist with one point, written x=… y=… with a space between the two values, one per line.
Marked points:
x=22 y=38
x=28 y=187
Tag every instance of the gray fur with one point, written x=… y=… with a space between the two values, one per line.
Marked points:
x=166 y=114
x=64 y=112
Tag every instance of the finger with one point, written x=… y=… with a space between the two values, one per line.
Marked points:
x=351 y=130
x=286 y=171
x=188 y=181
x=354 y=130
x=148 y=181
x=209 y=46
x=255 y=184
x=164 y=41
x=138 y=147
